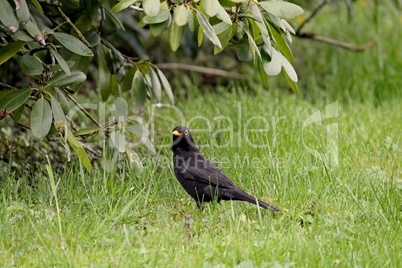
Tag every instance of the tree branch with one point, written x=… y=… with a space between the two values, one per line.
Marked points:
x=337 y=43
x=136 y=8
x=6 y=86
x=328 y=40
x=81 y=108
x=200 y=69
x=111 y=123
x=73 y=26
x=312 y=15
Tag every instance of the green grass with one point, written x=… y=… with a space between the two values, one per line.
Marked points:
x=345 y=215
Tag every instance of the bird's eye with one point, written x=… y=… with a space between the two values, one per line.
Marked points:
x=186 y=132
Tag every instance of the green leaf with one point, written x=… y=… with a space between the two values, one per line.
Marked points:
x=190 y=20
x=223 y=15
x=31 y=65
x=114 y=19
x=281 y=9
x=200 y=36
x=267 y=41
x=211 y=7
x=290 y=71
x=156 y=85
x=123 y=5
x=163 y=16
x=166 y=85
x=86 y=131
x=37 y=5
x=57 y=67
x=151 y=7
x=277 y=62
x=175 y=35
x=280 y=42
x=18 y=113
x=114 y=85
x=93 y=38
x=263 y=75
x=258 y=18
x=138 y=130
x=62 y=79
x=180 y=15
x=118 y=141
x=288 y=27
x=253 y=46
x=13 y=98
x=7 y=16
x=251 y=16
x=273 y=67
x=139 y=92
x=41 y=118
x=34 y=31
x=144 y=68
x=224 y=37
x=105 y=76
x=120 y=109
x=291 y=83
x=158 y=29
x=23 y=11
x=73 y=44
x=128 y=79
x=221 y=27
x=79 y=150
x=208 y=30
x=22 y=35
x=10 y=50
x=58 y=113
x=61 y=61
x=243 y=53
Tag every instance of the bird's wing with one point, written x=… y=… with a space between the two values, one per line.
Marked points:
x=210 y=175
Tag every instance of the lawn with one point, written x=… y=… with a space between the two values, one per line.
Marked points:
x=329 y=158
x=344 y=212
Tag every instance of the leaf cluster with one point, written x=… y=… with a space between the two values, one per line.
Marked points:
x=56 y=42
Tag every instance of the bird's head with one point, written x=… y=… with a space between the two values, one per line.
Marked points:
x=182 y=138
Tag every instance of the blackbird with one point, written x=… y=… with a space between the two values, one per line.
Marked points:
x=200 y=178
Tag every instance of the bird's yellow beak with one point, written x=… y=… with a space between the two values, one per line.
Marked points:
x=176 y=133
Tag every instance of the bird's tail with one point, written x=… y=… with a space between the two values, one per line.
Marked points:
x=242 y=196
x=266 y=206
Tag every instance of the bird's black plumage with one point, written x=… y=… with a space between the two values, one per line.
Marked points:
x=200 y=178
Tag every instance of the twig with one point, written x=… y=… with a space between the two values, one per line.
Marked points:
x=33 y=51
x=74 y=27
x=328 y=40
x=312 y=15
x=136 y=8
x=3 y=114
x=50 y=2
x=111 y=123
x=81 y=108
x=10 y=147
x=73 y=125
x=58 y=26
x=334 y=42
x=200 y=69
x=6 y=86
x=103 y=18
